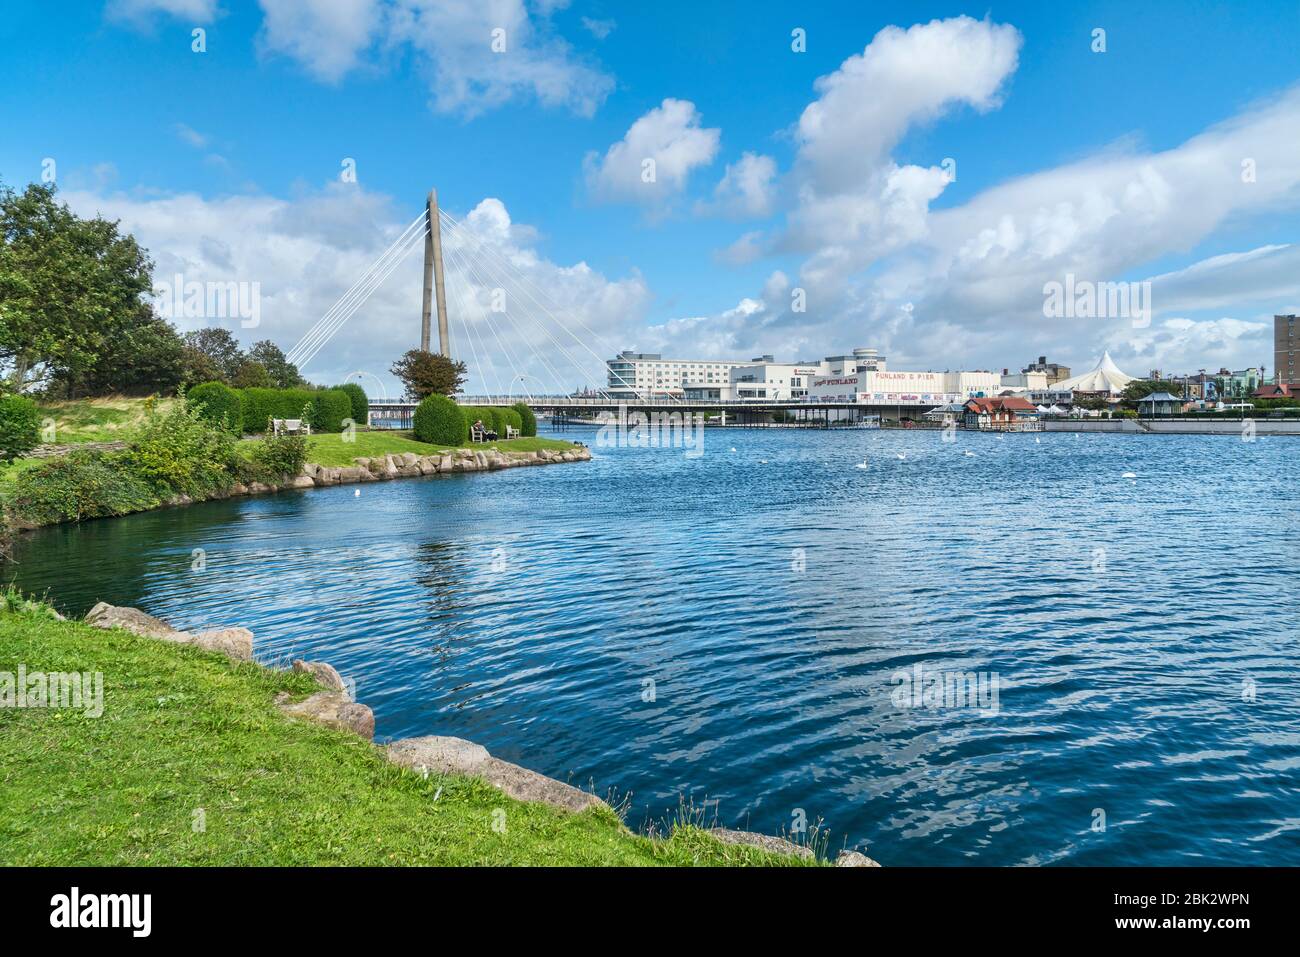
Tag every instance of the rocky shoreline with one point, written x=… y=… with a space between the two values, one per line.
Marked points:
x=334 y=706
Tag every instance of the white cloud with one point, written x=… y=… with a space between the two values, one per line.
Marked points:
x=191 y=136
x=653 y=160
x=454 y=47
x=328 y=37
x=304 y=253
x=599 y=29
x=142 y=12
x=747 y=188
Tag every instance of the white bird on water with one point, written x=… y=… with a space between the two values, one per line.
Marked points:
x=1129 y=475
x=969 y=454
x=902 y=456
x=357 y=493
x=733 y=448
x=861 y=465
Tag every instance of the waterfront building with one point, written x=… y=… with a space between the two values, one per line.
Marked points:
x=634 y=375
x=1284 y=347
x=1274 y=391
x=1106 y=381
x=1001 y=414
x=1054 y=371
x=1159 y=403
x=769 y=379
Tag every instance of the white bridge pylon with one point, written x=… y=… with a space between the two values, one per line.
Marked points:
x=505 y=320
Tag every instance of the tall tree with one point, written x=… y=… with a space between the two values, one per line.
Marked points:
x=219 y=348
x=148 y=357
x=284 y=374
x=68 y=287
x=428 y=373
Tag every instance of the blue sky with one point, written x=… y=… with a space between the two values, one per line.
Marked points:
x=226 y=164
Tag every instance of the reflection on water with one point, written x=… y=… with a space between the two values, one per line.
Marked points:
x=734 y=627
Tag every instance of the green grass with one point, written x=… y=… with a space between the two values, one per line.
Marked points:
x=96 y=420
x=184 y=730
x=332 y=450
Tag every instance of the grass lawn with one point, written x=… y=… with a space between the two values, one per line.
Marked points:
x=332 y=450
x=95 y=420
x=191 y=763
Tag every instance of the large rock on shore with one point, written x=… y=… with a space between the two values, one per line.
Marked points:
x=234 y=643
x=763 y=842
x=325 y=674
x=445 y=755
x=334 y=710
x=854 y=859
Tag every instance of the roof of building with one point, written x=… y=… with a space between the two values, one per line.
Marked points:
x=1159 y=397
x=1010 y=403
x=1273 y=390
x=1106 y=377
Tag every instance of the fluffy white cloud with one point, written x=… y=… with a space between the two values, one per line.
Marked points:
x=747 y=188
x=142 y=12
x=652 y=161
x=328 y=37
x=306 y=252
x=476 y=55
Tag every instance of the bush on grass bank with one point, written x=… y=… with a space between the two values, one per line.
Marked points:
x=177 y=451
x=328 y=410
x=219 y=404
x=85 y=484
x=20 y=426
x=360 y=402
x=262 y=405
x=439 y=421
x=528 y=419
x=275 y=456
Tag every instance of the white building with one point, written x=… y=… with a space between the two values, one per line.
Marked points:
x=648 y=374
x=891 y=387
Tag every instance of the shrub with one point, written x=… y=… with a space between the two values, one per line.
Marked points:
x=329 y=408
x=275 y=456
x=259 y=405
x=439 y=421
x=77 y=486
x=216 y=401
x=512 y=419
x=20 y=426
x=360 y=402
x=179 y=451
x=529 y=419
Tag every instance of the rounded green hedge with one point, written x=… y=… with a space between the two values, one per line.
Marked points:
x=215 y=401
x=528 y=418
x=513 y=419
x=329 y=408
x=20 y=426
x=260 y=405
x=439 y=421
x=360 y=402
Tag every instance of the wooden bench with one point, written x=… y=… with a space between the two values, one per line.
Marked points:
x=477 y=433
x=290 y=427
x=512 y=432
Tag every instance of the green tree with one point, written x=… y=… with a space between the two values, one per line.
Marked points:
x=148 y=357
x=219 y=348
x=428 y=373
x=68 y=287
x=252 y=375
x=283 y=373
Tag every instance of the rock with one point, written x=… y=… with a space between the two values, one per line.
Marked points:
x=104 y=615
x=239 y=488
x=854 y=859
x=438 y=754
x=445 y=463
x=310 y=470
x=349 y=475
x=325 y=674
x=362 y=462
x=427 y=465
x=259 y=488
x=327 y=476
x=525 y=785
x=302 y=481
x=234 y=643
x=335 y=711
x=409 y=471
x=763 y=842
x=567 y=456
x=409 y=459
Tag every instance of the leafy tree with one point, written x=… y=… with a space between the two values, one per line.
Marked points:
x=252 y=375
x=68 y=287
x=148 y=357
x=221 y=350
x=283 y=373
x=1141 y=388
x=429 y=373
x=20 y=424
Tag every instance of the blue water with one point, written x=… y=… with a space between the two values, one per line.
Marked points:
x=1125 y=621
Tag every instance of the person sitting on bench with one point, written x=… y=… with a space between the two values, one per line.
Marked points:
x=480 y=429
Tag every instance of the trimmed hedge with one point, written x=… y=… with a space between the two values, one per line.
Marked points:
x=329 y=408
x=20 y=426
x=528 y=418
x=360 y=403
x=513 y=419
x=260 y=405
x=439 y=421
x=215 y=400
